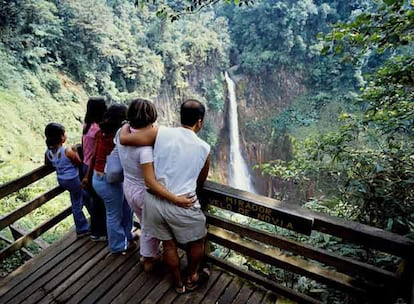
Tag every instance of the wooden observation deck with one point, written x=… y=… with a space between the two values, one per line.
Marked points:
x=80 y=271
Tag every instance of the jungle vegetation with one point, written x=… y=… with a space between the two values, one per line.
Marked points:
x=351 y=131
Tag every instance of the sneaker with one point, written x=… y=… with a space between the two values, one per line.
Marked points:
x=135 y=236
x=118 y=253
x=132 y=245
x=97 y=238
x=82 y=234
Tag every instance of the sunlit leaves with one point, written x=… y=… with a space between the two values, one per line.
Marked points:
x=174 y=10
x=390 y=26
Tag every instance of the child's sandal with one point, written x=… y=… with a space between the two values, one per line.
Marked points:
x=202 y=278
x=180 y=289
x=192 y=285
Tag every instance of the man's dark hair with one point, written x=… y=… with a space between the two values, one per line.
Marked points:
x=191 y=111
x=141 y=113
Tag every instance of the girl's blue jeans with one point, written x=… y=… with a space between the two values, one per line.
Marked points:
x=96 y=209
x=76 y=198
x=118 y=213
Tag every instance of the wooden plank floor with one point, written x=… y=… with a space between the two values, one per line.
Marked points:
x=81 y=271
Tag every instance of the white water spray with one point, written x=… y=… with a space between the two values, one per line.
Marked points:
x=239 y=176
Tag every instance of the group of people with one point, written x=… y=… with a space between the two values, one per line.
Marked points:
x=162 y=169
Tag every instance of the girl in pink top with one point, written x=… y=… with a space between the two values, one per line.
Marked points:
x=95 y=111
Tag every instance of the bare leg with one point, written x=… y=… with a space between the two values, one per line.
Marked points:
x=195 y=255
x=172 y=261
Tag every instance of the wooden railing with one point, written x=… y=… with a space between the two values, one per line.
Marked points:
x=368 y=283
x=8 y=219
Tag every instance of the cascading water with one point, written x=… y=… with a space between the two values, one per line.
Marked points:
x=239 y=176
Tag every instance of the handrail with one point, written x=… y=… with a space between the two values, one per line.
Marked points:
x=35 y=233
x=377 y=282
x=15 y=215
x=25 y=180
x=255 y=206
x=343 y=264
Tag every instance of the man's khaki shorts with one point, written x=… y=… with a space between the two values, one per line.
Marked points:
x=166 y=221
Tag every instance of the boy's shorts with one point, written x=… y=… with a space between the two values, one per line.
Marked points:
x=166 y=221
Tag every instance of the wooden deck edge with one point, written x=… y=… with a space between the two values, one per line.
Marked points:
x=35 y=233
x=266 y=283
x=39 y=259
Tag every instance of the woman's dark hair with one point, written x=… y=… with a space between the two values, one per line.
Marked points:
x=54 y=132
x=141 y=113
x=191 y=111
x=95 y=110
x=113 y=118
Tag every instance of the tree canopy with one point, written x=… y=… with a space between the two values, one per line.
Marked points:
x=111 y=47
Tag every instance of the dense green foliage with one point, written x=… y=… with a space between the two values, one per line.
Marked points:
x=370 y=158
x=109 y=46
x=55 y=53
x=285 y=33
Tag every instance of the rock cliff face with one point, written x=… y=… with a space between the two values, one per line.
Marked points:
x=198 y=77
x=260 y=99
x=167 y=105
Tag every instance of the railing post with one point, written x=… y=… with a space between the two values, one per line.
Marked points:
x=406 y=271
x=18 y=232
x=16 y=235
x=410 y=272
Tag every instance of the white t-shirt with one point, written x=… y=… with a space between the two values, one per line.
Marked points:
x=179 y=156
x=131 y=159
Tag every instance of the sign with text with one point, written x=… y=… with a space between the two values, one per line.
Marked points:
x=279 y=216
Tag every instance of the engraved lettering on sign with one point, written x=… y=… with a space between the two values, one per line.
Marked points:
x=289 y=225
x=262 y=213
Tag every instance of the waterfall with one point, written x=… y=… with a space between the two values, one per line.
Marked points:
x=239 y=176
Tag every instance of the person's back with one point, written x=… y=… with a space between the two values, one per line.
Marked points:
x=141 y=116
x=95 y=109
x=65 y=168
x=181 y=162
x=179 y=156
x=131 y=158
x=66 y=163
x=118 y=213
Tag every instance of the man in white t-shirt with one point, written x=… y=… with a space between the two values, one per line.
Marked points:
x=181 y=163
